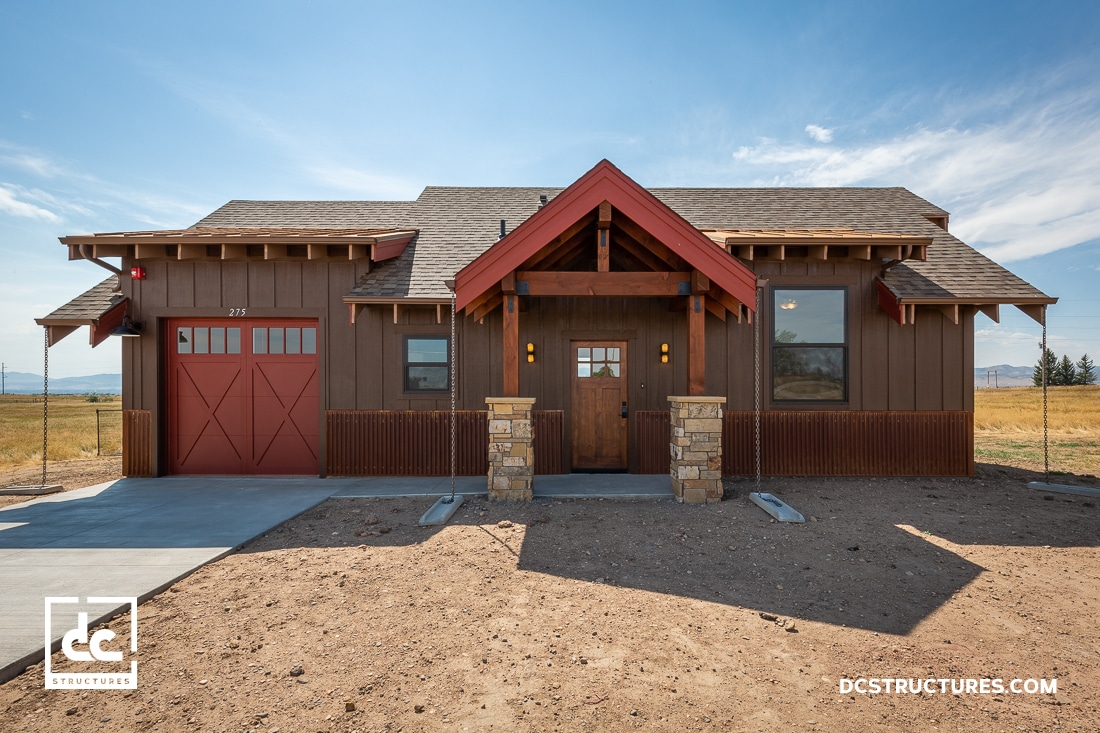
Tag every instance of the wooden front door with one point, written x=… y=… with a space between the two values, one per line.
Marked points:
x=598 y=397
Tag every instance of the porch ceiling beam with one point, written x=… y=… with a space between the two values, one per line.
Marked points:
x=951 y=312
x=639 y=284
x=992 y=310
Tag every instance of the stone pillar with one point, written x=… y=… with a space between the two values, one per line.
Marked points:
x=695 y=448
x=511 y=453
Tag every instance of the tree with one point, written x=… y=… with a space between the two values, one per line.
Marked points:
x=1085 y=372
x=1052 y=362
x=1065 y=374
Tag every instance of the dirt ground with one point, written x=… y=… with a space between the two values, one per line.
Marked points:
x=617 y=616
x=73 y=474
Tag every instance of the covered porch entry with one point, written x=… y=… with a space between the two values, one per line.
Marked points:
x=604 y=296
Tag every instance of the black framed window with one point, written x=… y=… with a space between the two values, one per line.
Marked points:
x=809 y=344
x=427 y=363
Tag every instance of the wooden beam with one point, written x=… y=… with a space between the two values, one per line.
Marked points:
x=716 y=309
x=859 y=251
x=697 y=345
x=603 y=248
x=191 y=252
x=819 y=251
x=508 y=283
x=317 y=251
x=550 y=249
x=604 y=220
x=359 y=251
x=700 y=283
x=629 y=284
x=511 y=346
x=56 y=333
x=992 y=310
x=951 y=312
x=746 y=252
x=888 y=251
x=148 y=251
x=354 y=309
x=647 y=240
x=488 y=306
x=482 y=299
x=234 y=251
x=274 y=251
x=727 y=301
x=649 y=260
x=1035 y=312
x=110 y=250
x=396 y=313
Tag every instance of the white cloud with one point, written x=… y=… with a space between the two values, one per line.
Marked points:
x=1017 y=188
x=821 y=134
x=12 y=205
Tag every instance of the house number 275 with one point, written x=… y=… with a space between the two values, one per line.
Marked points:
x=236 y=312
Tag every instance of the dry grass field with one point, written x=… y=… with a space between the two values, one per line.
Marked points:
x=72 y=433
x=1008 y=428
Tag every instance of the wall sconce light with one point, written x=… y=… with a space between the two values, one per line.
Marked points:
x=530 y=353
x=127 y=329
x=664 y=353
x=137 y=273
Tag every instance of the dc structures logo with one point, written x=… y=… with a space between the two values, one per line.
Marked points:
x=99 y=657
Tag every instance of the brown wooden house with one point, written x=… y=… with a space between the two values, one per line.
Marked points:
x=314 y=337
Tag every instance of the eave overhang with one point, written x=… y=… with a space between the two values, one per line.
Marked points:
x=903 y=309
x=230 y=243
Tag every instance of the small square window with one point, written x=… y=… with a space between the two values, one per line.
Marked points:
x=427 y=364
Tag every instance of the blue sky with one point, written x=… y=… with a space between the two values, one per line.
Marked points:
x=122 y=116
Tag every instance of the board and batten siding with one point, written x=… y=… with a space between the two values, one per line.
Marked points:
x=927 y=366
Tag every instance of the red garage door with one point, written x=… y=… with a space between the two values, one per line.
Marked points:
x=242 y=396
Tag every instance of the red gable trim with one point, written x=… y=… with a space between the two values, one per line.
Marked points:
x=605 y=182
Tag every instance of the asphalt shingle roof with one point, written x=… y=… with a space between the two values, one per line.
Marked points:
x=86 y=307
x=457 y=224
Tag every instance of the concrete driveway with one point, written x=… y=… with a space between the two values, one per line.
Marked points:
x=127 y=538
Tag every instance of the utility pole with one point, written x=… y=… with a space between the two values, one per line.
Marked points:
x=994 y=373
x=3 y=378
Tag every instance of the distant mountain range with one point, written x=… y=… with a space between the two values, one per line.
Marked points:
x=24 y=383
x=1006 y=376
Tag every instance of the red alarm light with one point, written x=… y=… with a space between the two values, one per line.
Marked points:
x=137 y=273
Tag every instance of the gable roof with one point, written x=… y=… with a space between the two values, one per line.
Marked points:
x=458 y=224
x=605 y=182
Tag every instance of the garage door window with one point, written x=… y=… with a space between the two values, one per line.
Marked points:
x=284 y=340
x=208 y=340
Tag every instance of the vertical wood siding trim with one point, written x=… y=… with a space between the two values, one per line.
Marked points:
x=549 y=439
x=137 y=443
x=851 y=443
x=417 y=442
x=652 y=442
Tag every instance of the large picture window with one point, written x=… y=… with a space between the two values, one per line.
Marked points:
x=427 y=363
x=809 y=344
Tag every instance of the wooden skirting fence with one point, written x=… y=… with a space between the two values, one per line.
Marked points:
x=418 y=443
x=815 y=443
x=137 y=443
